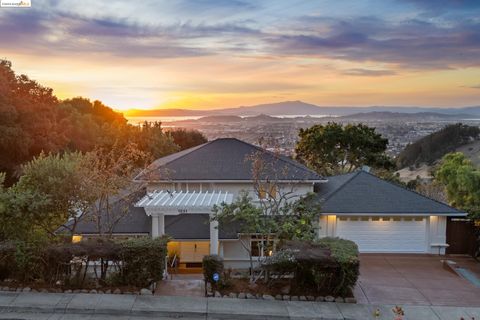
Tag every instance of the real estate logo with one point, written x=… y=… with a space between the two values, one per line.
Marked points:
x=15 y=3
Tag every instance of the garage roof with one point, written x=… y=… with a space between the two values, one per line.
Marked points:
x=361 y=192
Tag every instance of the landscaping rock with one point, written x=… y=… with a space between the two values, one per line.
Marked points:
x=84 y=291
x=100 y=291
x=18 y=289
x=278 y=297
x=93 y=291
x=294 y=298
x=285 y=290
x=68 y=291
x=218 y=294
x=226 y=296
x=350 y=300
x=242 y=295
x=76 y=291
x=108 y=291
x=117 y=291
x=303 y=298
x=286 y=297
x=250 y=296
x=232 y=295
x=320 y=299
x=310 y=298
x=339 y=300
x=329 y=299
x=145 y=292
x=26 y=289
x=12 y=289
x=268 y=297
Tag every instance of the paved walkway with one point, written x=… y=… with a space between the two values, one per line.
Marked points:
x=415 y=280
x=65 y=306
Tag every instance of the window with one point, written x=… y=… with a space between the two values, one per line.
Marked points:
x=267 y=191
x=260 y=247
x=375 y=218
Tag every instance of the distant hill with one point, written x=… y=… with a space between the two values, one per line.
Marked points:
x=302 y=108
x=434 y=146
x=220 y=119
x=387 y=115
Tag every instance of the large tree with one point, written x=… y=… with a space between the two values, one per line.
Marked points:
x=462 y=182
x=334 y=148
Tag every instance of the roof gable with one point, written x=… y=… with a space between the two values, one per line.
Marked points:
x=362 y=192
x=224 y=159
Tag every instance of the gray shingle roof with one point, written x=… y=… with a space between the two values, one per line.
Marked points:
x=182 y=227
x=363 y=193
x=224 y=159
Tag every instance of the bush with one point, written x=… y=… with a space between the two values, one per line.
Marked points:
x=326 y=266
x=136 y=262
x=144 y=260
x=212 y=264
x=345 y=252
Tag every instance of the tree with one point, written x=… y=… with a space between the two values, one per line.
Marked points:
x=275 y=212
x=333 y=148
x=109 y=173
x=185 y=138
x=58 y=180
x=462 y=182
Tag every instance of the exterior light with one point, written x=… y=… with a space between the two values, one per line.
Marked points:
x=76 y=238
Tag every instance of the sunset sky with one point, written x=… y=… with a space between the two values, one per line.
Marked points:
x=215 y=54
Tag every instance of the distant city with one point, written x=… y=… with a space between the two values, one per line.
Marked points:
x=276 y=126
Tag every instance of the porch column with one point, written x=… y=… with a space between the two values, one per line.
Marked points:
x=213 y=237
x=155 y=231
x=161 y=224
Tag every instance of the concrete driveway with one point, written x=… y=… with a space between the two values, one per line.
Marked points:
x=414 y=279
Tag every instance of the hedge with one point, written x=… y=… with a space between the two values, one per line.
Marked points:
x=213 y=264
x=135 y=262
x=328 y=265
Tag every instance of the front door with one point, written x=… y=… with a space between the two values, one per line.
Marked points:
x=193 y=251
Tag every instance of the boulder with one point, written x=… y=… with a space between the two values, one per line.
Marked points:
x=329 y=299
x=250 y=296
x=268 y=297
x=286 y=297
x=26 y=289
x=310 y=298
x=242 y=295
x=278 y=297
x=303 y=298
x=108 y=291
x=93 y=291
x=339 y=300
x=320 y=299
x=117 y=291
x=218 y=294
x=84 y=291
x=68 y=291
x=145 y=292
x=294 y=298
x=232 y=295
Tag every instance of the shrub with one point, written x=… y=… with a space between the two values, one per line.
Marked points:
x=144 y=260
x=345 y=252
x=329 y=265
x=213 y=264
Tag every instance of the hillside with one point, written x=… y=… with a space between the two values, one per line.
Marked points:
x=303 y=108
x=434 y=146
x=388 y=115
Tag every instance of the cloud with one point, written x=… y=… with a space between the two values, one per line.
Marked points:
x=401 y=43
x=368 y=72
x=472 y=87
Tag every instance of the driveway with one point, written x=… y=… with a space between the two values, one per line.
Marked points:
x=414 y=279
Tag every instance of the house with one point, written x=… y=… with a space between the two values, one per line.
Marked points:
x=183 y=188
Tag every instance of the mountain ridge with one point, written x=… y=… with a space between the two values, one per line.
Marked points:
x=290 y=108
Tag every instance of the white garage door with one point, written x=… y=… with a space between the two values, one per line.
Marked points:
x=377 y=234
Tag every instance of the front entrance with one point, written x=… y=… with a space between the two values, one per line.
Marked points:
x=188 y=255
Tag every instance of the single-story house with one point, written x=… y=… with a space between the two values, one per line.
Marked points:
x=182 y=188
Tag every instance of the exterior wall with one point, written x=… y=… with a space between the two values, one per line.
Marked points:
x=234 y=254
x=437 y=232
x=436 y=229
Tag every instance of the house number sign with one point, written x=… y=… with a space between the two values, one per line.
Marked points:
x=182 y=211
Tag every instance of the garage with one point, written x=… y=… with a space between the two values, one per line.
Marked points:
x=385 y=234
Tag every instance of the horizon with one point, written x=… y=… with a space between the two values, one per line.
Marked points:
x=210 y=54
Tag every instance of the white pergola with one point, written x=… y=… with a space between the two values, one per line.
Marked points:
x=157 y=204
